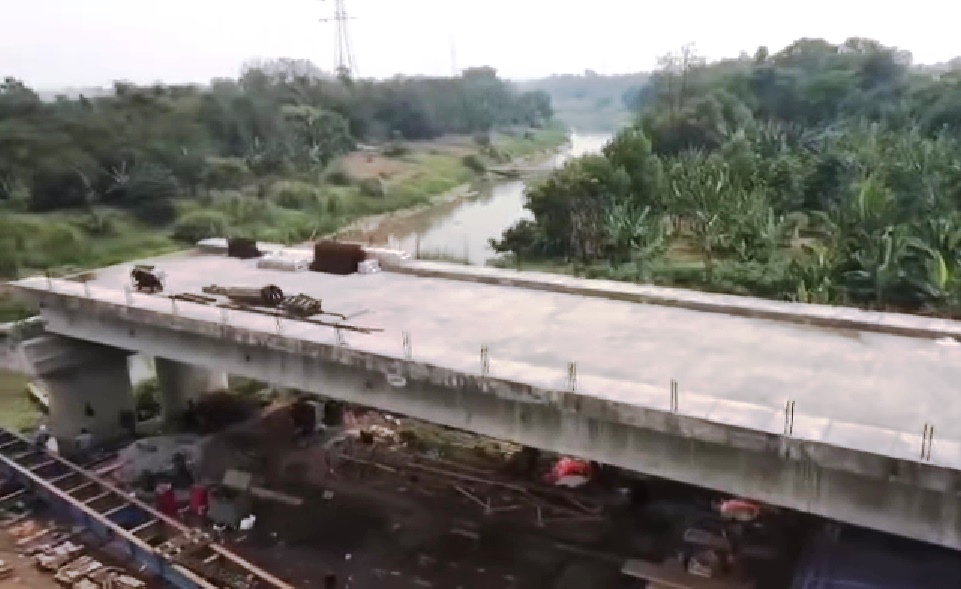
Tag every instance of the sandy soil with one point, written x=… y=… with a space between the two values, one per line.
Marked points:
x=25 y=573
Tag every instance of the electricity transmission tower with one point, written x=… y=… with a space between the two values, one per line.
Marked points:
x=343 y=50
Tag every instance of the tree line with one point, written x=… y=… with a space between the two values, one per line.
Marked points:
x=821 y=173
x=591 y=102
x=142 y=148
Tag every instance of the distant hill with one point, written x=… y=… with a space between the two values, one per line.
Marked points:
x=590 y=102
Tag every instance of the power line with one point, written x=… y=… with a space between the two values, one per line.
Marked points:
x=343 y=48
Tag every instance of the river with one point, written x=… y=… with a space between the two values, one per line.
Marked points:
x=460 y=229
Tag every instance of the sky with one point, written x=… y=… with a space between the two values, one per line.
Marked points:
x=53 y=44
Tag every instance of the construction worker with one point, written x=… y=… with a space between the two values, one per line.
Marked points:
x=83 y=444
x=41 y=437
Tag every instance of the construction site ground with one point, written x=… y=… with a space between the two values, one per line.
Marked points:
x=25 y=572
x=438 y=512
x=18 y=538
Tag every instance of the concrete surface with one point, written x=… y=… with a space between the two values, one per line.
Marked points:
x=729 y=369
x=862 y=399
x=829 y=316
x=180 y=383
x=88 y=387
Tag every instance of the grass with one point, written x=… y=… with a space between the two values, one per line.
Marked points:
x=525 y=143
x=17 y=411
x=285 y=210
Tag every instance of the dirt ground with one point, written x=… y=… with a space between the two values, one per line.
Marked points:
x=25 y=573
x=378 y=526
x=378 y=544
x=373 y=164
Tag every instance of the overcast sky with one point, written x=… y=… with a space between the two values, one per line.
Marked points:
x=60 y=43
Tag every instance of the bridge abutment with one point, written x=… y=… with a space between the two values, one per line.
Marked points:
x=89 y=387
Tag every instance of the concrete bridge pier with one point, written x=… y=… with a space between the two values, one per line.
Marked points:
x=89 y=387
x=180 y=383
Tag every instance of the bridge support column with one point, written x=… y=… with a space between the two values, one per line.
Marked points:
x=88 y=384
x=181 y=383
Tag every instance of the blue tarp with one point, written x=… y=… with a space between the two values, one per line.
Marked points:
x=859 y=559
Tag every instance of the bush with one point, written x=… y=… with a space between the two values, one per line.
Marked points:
x=57 y=243
x=198 y=225
x=155 y=212
x=371 y=187
x=395 y=150
x=333 y=205
x=338 y=176
x=100 y=223
x=146 y=396
x=474 y=163
x=294 y=195
x=225 y=172
x=244 y=210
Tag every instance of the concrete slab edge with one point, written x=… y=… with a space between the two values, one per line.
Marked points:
x=898 y=324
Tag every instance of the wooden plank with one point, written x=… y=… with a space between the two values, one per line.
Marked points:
x=671 y=575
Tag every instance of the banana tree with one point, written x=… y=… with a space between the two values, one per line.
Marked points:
x=880 y=262
x=630 y=228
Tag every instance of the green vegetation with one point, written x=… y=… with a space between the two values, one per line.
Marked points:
x=18 y=412
x=821 y=173
x=592 y=102
x=273 y=155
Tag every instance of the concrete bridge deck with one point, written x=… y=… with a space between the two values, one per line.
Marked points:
x=861 y=398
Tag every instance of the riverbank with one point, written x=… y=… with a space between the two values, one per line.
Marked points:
x=291 y=209
x=377 y=228
x=458 y=226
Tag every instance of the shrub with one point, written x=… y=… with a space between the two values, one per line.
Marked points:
x=338 y=176
x=371 y=187
x=482 y=139
x=100 y=223
x=226 y=172
x=474 y=163
x=395 y=150
x=333 y=205
x=156 y=212
x=198 y=225
x=294 y=195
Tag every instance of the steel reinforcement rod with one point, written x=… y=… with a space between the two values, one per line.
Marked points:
x=112 y=514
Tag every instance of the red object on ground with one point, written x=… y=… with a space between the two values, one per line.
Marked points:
x=567 y=467
x=167 y=501
x=199 y=499
x=740 y=509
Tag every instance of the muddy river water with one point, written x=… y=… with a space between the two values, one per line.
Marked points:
x=460 y=228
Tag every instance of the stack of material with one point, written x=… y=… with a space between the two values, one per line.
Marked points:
x=368 y=267
x=385 y=256
x=243 y=248
x=76 y=570
x=337 y=258
x=284 y=261
x=54 y=558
